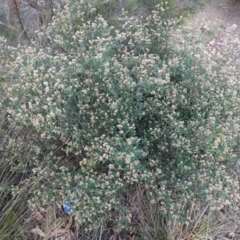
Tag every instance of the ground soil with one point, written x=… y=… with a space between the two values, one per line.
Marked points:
x=220 y=17
x=219 y=26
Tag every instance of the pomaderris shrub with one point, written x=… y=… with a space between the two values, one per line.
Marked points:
x=133 y=107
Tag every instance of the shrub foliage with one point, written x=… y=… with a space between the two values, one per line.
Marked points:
x=125 y=107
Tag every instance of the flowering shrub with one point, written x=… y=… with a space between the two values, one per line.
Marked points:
x=128 y=107
x=5 y=53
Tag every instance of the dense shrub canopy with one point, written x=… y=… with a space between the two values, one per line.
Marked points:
x=130 y=107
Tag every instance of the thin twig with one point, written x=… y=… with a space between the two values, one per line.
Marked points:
x=6 y=25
